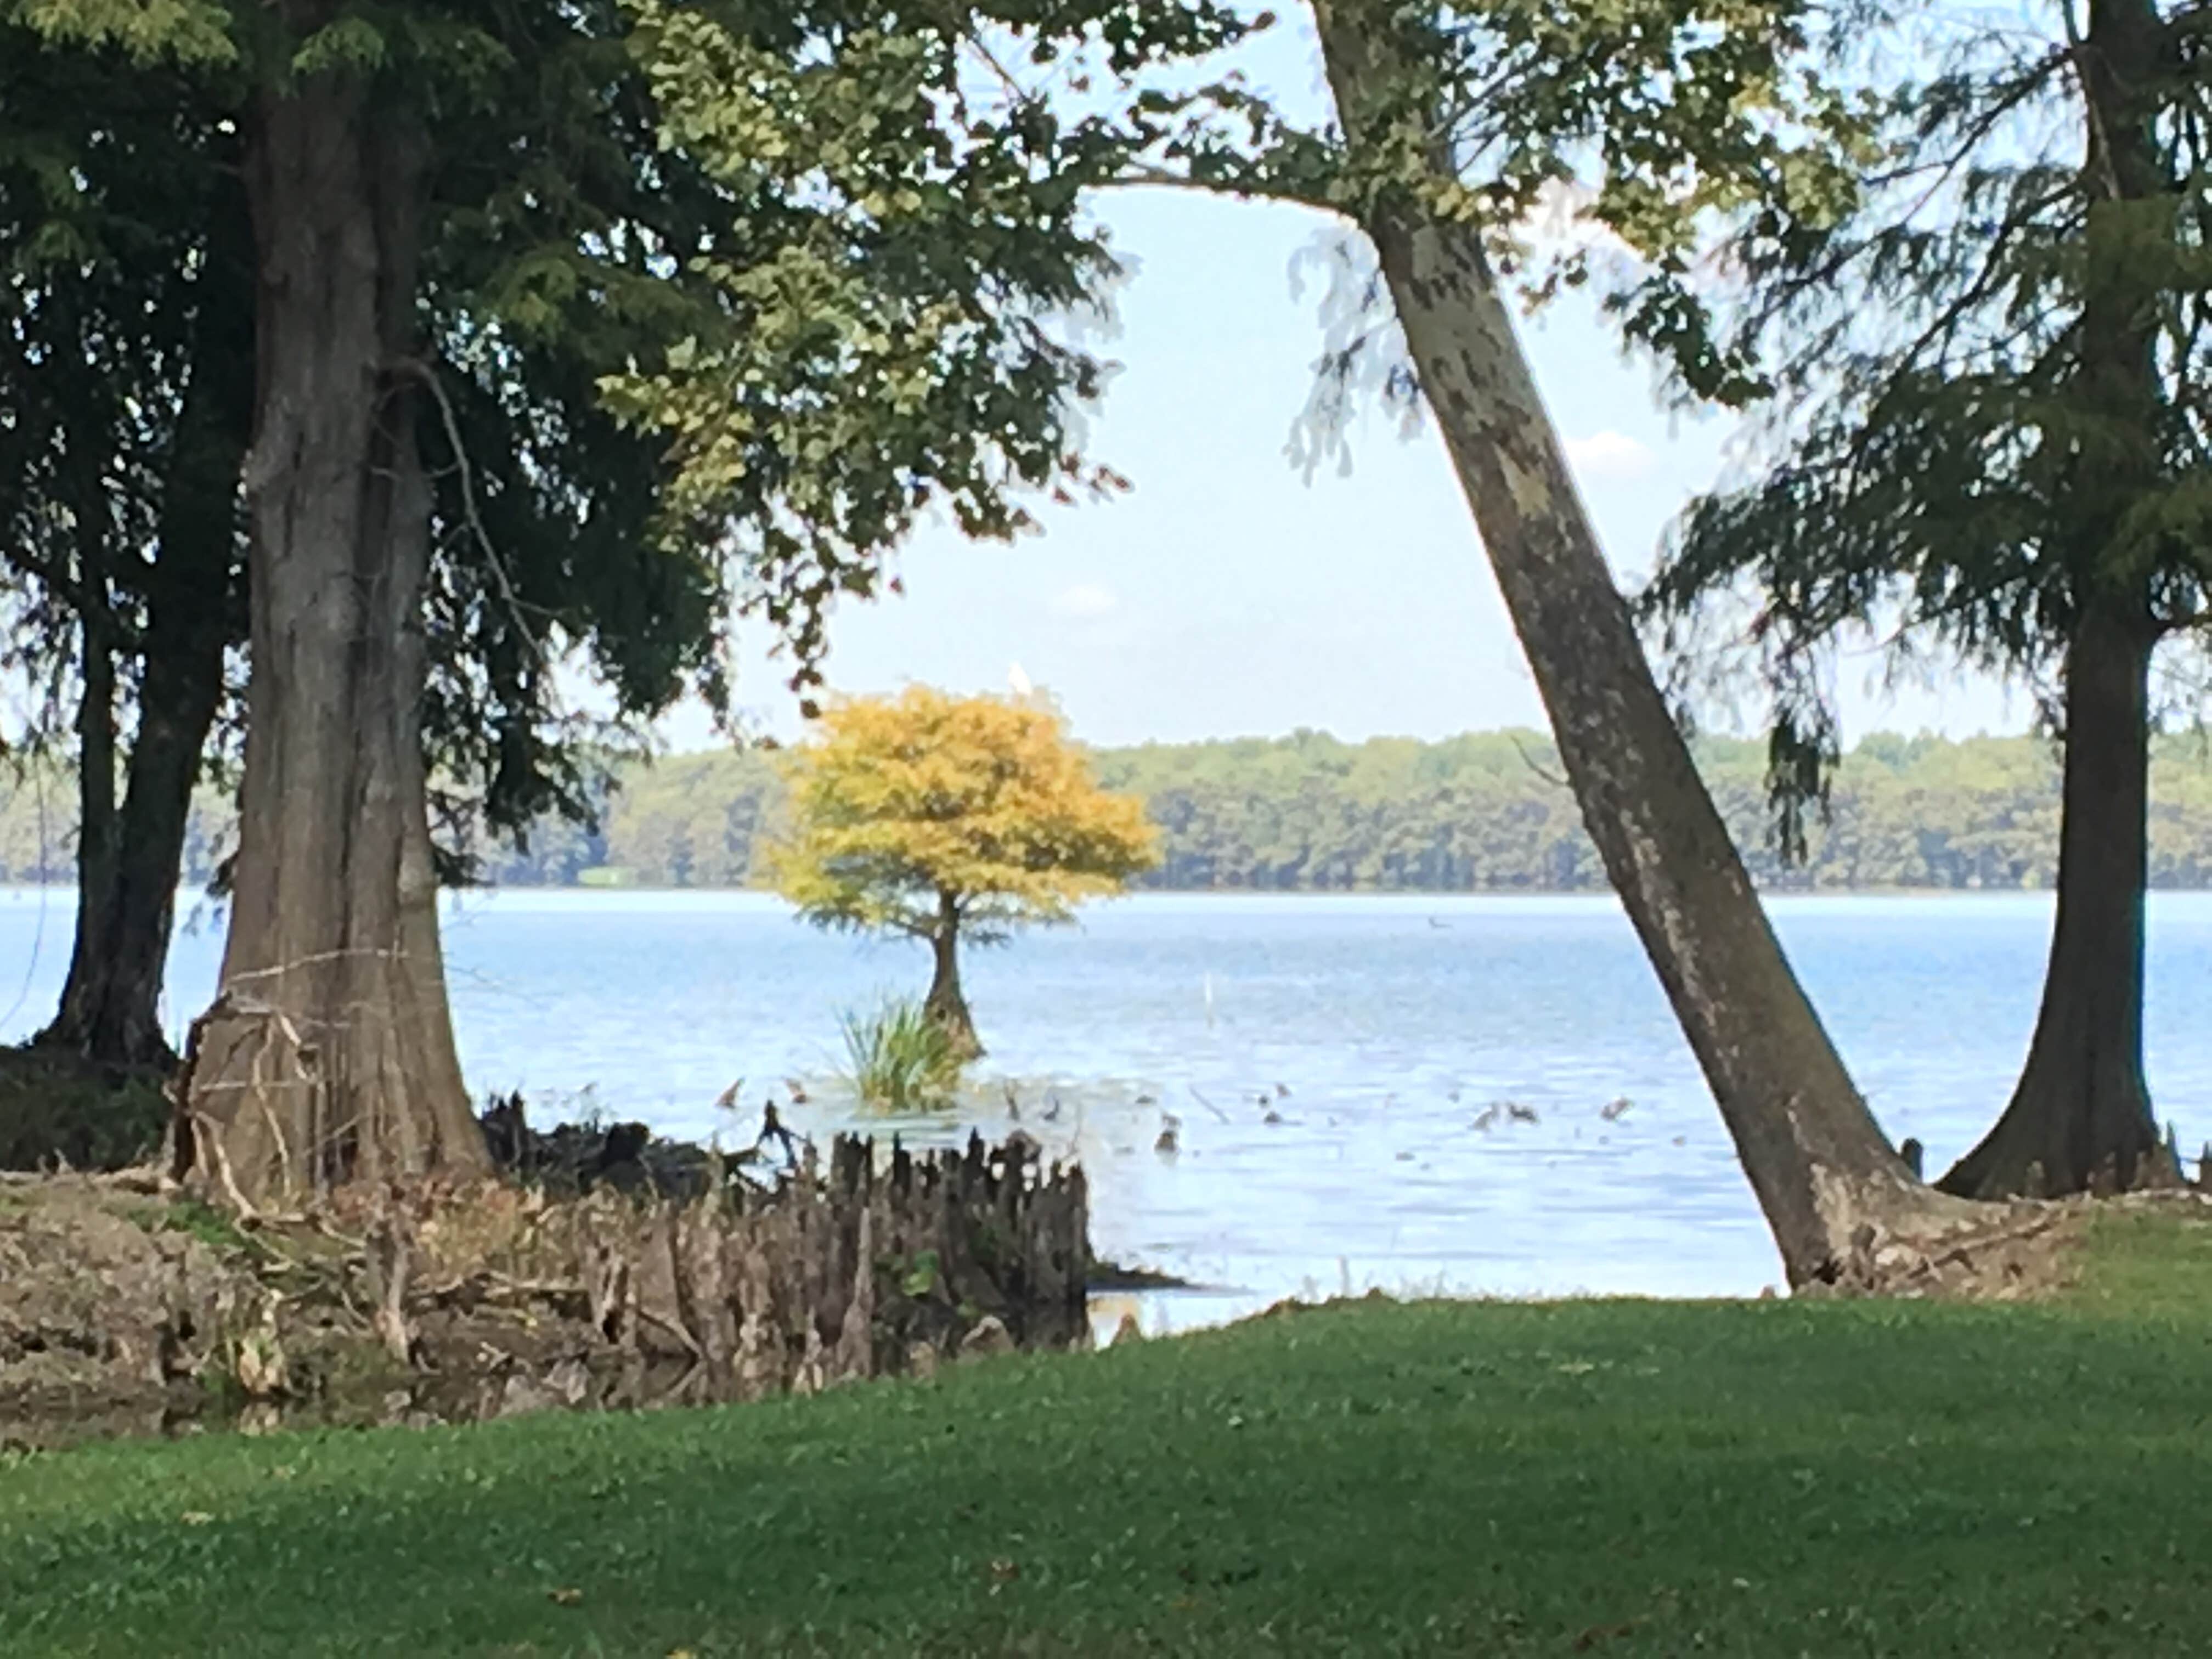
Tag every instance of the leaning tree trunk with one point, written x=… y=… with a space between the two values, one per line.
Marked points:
x=2079 y=1119
x=110 y=1010
x=1826 y=1178
x=946 y=1004
x=328 y=1054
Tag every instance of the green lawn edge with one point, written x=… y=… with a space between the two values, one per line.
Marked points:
x=1762 y=1477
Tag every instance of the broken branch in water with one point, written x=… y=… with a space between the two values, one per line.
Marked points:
x=1208 y=1104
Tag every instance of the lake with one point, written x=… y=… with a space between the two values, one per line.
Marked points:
x=1376 y=1029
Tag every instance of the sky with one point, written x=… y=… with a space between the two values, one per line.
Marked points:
x=1227 y=596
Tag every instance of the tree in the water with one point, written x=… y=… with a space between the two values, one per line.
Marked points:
x=1996 y=378
x=945 y=819
x=1452 y=121
x=812 y=258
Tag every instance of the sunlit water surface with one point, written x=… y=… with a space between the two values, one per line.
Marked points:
x=1391 y=1023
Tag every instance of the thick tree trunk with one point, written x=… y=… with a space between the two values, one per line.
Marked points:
x=329 y=1055
x=946 y=1004
x=110 y=1009
x=1826 y=1178
x=2079 y=1119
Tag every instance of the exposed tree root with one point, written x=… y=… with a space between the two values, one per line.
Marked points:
x=1999 y=1252
x=466 y=1300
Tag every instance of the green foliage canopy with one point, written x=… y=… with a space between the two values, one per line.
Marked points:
x=720 y=300
x=1961 y=455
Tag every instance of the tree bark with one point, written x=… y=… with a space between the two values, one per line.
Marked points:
x=96 y=848
x=110 y=1009
x=1826 y=1178
x=328 y=1054
x=2079 y=1119
x=946 y=1004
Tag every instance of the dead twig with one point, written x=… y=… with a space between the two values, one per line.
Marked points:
x=1208 y=1104
x=1529 y=761
x=675 y=1329
x=207 y=1133
x=389 y=1260
x=425 y=376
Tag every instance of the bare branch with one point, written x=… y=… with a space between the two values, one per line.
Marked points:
x=1530 y=761
x=425 y=375
x=1148 y=175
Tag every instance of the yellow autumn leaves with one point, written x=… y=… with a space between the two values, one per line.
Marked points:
x=912 y=811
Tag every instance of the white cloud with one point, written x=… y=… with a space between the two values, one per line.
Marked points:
x=1085 y=600
x=1608 y=458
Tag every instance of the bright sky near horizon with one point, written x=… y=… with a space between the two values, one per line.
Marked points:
x=1226 y=596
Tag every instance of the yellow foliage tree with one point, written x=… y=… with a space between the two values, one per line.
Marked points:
x=946 y=817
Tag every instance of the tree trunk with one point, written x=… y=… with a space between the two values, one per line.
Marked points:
x=946 y=1003
x=110 y=1009
x=111 y=1002
x=1826 y=1178
x=96 y=849
x=2079 y=1119
x=328 y=1054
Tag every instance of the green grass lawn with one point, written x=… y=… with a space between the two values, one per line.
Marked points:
x=1613 y=1478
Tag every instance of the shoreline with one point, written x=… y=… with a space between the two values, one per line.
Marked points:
x=193 y=893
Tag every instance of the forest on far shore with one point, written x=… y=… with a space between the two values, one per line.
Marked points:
x=1309 y=812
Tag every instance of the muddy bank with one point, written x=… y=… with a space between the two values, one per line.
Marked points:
x=596 y=1282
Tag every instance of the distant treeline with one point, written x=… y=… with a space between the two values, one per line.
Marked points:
x=1309 y=813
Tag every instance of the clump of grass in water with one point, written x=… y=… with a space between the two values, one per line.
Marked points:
x=902 y=1059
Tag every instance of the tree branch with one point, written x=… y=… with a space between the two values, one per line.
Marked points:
x=1529 y=761
x=95 y=612
x=424 y=374
x=1149 y=175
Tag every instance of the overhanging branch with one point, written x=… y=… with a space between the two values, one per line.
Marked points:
x=424 y=374
x=1242 y=189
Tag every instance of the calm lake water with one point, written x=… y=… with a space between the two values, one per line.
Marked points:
x=1392 y=1022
